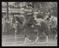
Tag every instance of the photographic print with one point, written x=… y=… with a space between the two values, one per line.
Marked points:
x=29 y=23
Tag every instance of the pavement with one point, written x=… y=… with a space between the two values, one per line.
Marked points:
x=12 y=40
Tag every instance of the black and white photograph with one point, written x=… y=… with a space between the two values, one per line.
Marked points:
x=29 y=23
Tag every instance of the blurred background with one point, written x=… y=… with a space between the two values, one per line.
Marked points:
x=21 y=20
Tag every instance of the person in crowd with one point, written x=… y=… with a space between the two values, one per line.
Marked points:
x=52 y=23
x=53 y=26
x=43 y=28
